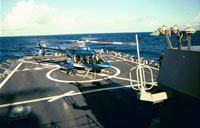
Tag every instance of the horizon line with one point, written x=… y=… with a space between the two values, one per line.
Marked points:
x=75 y=34
x=72 y=34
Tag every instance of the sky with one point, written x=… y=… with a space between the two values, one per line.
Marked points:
x=50 y=17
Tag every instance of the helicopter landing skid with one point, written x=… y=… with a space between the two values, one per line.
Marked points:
x=81 y=73
x=85 y=73
x=65 y=70
x=105 y=71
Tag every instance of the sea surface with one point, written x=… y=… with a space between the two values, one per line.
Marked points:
x=150 y=46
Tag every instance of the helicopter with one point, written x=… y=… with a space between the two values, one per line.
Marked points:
x=82 y=56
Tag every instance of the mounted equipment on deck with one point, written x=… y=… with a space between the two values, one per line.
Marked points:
x=141 y=81
x=179 y=77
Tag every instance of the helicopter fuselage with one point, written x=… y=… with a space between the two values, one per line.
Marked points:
x=82 y=57
x=89 y=58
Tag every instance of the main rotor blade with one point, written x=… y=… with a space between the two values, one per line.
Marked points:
x=118 y=43
x=58 y=40
x=99 y=42
x=89 y=38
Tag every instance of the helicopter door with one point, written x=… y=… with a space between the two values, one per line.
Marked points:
x=90 y=60
x=77 y=59
x=84 y=60
x=98 y=59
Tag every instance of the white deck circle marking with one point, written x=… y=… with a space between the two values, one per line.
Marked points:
x=48 y=75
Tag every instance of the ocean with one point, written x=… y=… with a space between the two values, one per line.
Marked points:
x=150 y=46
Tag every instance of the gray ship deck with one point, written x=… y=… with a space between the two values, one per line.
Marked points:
x=105 y=101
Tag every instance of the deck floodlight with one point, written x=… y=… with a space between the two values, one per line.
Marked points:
x=155 y=33
x=176 y=31
x=189 y=31
x=160 y=31
x=173 y=30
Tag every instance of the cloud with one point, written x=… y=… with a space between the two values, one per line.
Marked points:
x=195 y=23
x=63 y=20
x=188 y=25
x=154 y=23
x=26 y=14
x=131 y=24
x=31 y=18
x=197 y=20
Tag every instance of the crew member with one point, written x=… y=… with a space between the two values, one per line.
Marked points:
x=70 y=67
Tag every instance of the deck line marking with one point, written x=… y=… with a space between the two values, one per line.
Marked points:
x=117 y=77
x=34 y=69
x=48 y=75
x=132 y=66
x=61 y=96
x=48 y=65
x=73 y=94
x=126 y=79
x=136 y=63
x=10 y=74
x=109 y=77
x=133 y=62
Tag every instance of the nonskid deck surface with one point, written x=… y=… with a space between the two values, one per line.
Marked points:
x=104 y=101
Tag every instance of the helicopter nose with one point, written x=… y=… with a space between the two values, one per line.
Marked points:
x=105 y=65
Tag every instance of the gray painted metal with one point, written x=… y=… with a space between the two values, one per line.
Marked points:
x=180 y=71
x=179 y=76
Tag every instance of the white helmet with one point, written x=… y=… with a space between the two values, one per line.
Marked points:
x=68 y=59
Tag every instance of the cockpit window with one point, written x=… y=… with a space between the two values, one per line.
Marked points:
x=98 y=59
x=84 y=59
x=90 y=60
x=77 y=59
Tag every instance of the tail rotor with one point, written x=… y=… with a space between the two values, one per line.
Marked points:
x=41 y=48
